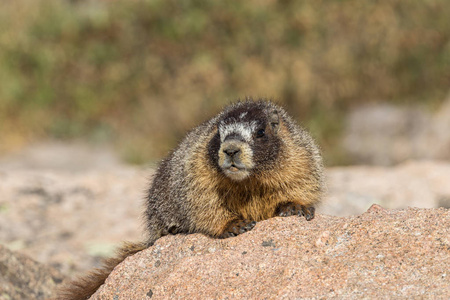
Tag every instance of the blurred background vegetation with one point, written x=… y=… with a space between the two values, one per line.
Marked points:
x=138 y=74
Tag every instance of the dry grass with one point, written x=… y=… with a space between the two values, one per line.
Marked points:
x=140 y=73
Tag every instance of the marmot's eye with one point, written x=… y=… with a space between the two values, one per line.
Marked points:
x=260 y=133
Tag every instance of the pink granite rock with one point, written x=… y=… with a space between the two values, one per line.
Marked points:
x=379 y=254
x=23 y=278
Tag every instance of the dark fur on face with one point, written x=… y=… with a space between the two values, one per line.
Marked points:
x=250 y=129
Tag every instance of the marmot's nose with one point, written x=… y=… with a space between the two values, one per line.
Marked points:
x=231 y=150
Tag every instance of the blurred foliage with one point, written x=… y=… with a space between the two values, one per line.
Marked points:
x=140 y=73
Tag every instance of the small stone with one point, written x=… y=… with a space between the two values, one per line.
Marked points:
x=375 y=208
x=150 y=294
x=268 y=243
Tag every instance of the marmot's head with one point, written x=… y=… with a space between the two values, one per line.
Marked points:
x=247 y=140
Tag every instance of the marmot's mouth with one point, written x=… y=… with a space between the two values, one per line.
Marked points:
x=236 y=172
x=234 y=168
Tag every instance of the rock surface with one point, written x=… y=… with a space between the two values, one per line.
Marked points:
x=71 y=220
x=379 y=254
x=23 y=278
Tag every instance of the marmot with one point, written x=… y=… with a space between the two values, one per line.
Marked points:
x=249 y=163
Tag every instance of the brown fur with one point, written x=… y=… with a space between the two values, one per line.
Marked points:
x=206 y=187
x=293 y=184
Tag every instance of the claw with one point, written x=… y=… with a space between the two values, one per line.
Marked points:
x=292 y=209
x=237 y=227
x=309 y=213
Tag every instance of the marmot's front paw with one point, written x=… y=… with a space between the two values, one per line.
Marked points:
x=308 y=212
x=292 y=209
x=236 y=227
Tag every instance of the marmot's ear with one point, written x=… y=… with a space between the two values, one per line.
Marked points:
x=274 y=120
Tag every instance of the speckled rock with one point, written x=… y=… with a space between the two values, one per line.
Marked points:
x=71 y=218
x=23 y=278
x=379 y=254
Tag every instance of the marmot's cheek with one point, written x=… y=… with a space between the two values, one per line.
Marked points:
x=222 y=159
x=246 y=157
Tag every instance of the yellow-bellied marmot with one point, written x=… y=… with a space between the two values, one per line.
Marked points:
x=249 y=163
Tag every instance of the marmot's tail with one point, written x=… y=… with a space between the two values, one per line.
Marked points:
x=84 y=287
